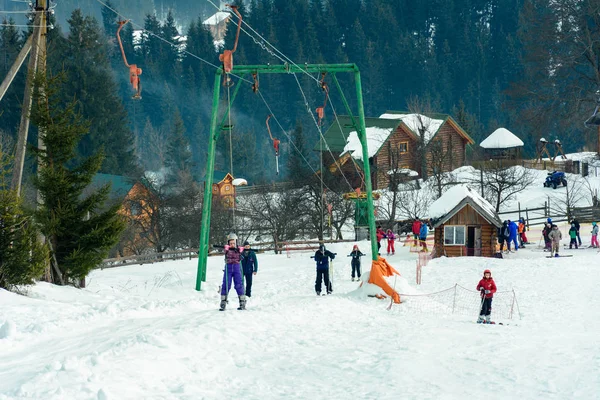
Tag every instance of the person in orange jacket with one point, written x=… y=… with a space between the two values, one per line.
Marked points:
x=486 y=288
x=522 y=236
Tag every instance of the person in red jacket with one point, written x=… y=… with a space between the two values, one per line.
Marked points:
x=380 y=235
x=487 y=288
x=416 y=229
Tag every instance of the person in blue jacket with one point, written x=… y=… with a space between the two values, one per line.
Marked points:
x=423 y=235
x=513 y=234
x=249 y=266
x=322 y=257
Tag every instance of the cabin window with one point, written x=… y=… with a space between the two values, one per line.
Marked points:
x=227 y=188
x=403 y=147
x=454 y=235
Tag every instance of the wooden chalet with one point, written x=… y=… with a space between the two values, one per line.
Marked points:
x=393 y=140
x=465 y=224
x=223 y=190
x=138 y=203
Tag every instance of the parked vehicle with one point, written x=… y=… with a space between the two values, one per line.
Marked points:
x=555 y=179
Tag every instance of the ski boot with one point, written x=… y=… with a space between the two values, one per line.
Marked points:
x=223 y=303
x=318 y=293
x=480 y=320
x=556 y=255
x=488 y=319
x=242 y=303
x=352 y=279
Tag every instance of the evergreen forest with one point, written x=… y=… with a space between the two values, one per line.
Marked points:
x=531 y=66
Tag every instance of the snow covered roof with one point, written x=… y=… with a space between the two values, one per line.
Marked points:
x=217 y=18
x=501 y=138
x=416 y=121
x=376 y=137
x=455 y=199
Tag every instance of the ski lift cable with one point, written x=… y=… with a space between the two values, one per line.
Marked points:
x=320 y=131
x=169 y=42
x=263 y=44
x=342 y=134
x=289 y=138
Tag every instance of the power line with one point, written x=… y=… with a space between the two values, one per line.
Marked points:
x=169 y=42
x=321 y=132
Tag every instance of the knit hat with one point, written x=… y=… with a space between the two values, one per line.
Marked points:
x=487 y=271
x=322 y=247
x=355 y=246
x=246 y=243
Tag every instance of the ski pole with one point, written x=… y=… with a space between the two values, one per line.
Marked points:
x=482 y=294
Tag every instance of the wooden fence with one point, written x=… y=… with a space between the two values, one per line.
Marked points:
x=278 y=248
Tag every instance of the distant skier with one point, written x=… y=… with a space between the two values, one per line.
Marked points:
x=546 y=234
x=356 y=255
x=249 y=266
x=573 y=236
x=232 y=271
x=423 y=236
x=555 y=236
x=416 y=230
x=380 y=234
x=390 y=242
x=512 y=238
x=594 y=235
x=522 y=230
x=503 y=235
x=577 y=227
x=322 y=257
x=486 y=287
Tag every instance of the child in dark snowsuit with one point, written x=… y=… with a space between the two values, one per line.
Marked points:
x=322 y=257
x=250 y=266
x=486 y=288
x=232 y=271
x=356 y=255
x=573 y=236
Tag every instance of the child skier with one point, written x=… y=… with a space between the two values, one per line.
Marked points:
x=232 y=271
x=380 y=235
x=486 y=288
x=390 y=240
x=416 y=230
x=522 y=234
x=423 y=236
x=322 y=257
x=250 y=266
x=573 y=236
x=555 y=237
x=546 y=234
x=594 y=235
x=356 y=255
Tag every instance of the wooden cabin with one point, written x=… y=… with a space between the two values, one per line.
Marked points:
x=224 y=191
x=465 y=224
x=396 y=144
x=138 y=202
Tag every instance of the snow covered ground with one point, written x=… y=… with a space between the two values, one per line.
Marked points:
x=142 y=332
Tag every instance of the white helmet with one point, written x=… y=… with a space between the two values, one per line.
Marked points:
x=232 y=236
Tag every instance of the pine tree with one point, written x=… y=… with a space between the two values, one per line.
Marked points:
x=22 y=257
x=83 y=57
x=179 y=156
x=74 y=219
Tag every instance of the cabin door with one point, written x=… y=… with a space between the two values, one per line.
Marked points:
x=470 y=241
x=473 y=241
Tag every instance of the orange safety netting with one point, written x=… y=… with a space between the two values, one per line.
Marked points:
x=379 y=270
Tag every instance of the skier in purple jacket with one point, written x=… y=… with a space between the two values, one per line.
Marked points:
x=232 y=271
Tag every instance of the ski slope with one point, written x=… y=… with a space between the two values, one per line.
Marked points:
x=143 y=332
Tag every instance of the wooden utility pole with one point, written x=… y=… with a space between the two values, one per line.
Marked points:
x=37 y=63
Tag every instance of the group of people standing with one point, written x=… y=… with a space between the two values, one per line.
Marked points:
x=512 y=232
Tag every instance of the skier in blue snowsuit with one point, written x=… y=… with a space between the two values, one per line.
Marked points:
x=322 y=257
x=512 y=237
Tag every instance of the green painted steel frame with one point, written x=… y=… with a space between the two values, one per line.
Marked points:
x=215 y=130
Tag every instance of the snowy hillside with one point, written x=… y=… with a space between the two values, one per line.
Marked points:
x=142 y=332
